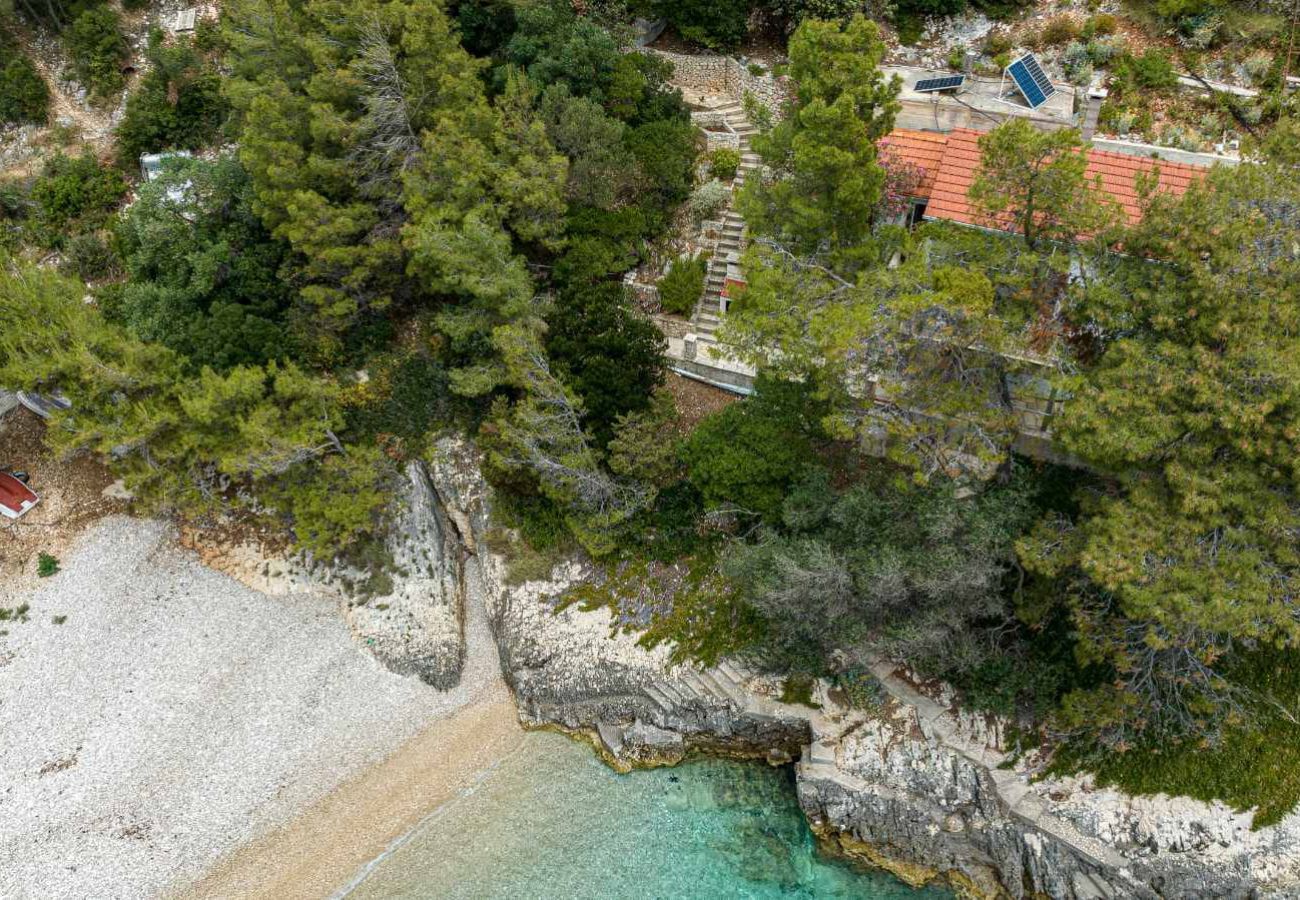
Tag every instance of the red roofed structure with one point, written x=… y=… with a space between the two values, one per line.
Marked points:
x=922 y=149
x=949 y=163
x=16 y=498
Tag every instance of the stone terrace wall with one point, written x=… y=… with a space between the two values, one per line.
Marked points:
x=722 y=75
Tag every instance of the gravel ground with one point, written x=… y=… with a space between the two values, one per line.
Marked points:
x=176 y=715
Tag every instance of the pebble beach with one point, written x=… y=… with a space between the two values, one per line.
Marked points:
x=157 y=717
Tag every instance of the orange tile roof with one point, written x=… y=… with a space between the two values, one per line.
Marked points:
x=946 y=192
x=923 y=149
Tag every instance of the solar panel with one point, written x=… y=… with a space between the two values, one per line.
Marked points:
x=1031 y=80
x=946 y=83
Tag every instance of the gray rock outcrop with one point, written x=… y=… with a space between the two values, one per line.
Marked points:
x=914 y=786
x=417 y=626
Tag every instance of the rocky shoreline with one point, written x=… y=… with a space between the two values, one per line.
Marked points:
x=914 y=786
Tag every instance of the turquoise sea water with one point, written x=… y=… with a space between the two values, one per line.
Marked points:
x=551 y=821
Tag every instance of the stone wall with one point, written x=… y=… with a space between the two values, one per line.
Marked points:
x=723 y=76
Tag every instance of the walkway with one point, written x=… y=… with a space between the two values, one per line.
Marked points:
x=729 y=683
x=941 y=727
x=708 y=313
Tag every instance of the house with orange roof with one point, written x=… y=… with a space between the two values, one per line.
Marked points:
x=947 y=164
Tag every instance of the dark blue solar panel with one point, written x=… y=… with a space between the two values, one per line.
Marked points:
x=1031 y=80
x=946 y=83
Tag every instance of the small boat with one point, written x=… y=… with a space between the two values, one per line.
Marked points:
x=16 y=498
x=44 y=405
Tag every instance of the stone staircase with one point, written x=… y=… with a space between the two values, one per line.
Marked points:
x=724 y=685
x=728 y=685
x=708 y=313
x=941 y=727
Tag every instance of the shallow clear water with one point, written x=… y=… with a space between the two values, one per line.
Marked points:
x=551 y=821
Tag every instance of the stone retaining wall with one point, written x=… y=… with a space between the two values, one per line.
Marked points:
x=724 y=76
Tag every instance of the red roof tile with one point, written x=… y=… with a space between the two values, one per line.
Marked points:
x=923 y=149
x=946 y=192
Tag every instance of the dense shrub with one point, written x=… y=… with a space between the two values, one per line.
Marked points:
x=556 y=46
x=682 y=287
x=407 y=396
x=792 y=12
x=931 y=7
x=1100 y=24
x=204 y=274
x=1077 y=63
x=1058 y=30
x=608 y=353
x=89 y=257
x=666 y=152
x=748 y=455
x=708 y=200
x=1197 y=23
x=717 y=24
x=75 y=193
x=723 y=163
x=996 y=43
x=24 y=96
x=1102 y=50
x=1150 y=71
x=98 y=48
x=177 y=106
x=884 y=567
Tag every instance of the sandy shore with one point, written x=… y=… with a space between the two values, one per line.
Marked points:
x=330 y=844
x=178 y=725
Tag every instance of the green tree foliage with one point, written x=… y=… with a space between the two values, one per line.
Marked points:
x=186 y=443
x=881 y=568
x=1192 y=405
x=723 y=163
x=1152 y=71
x=746 y=457
x=474 y=178
x=718 y=26
x=602 y=172
x=178 y=104
x=611 y=356
x=793 y=12
x=541 y=439
x=1035 y=183
x=74 y=193
x=823 y=154
x=555 y=45
x=666 y=150
x=203 y=272
x=375 y=155
x=485 y=25
x=98 y=48
x=24 y=96
x=683 y=286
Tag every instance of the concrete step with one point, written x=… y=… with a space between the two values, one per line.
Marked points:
x=668 y=690
x=659 y=698
x=717 y=690
x=729 y=687
x=686 y=690
x=819 y=753
x=733 y=671
x=706 y=689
